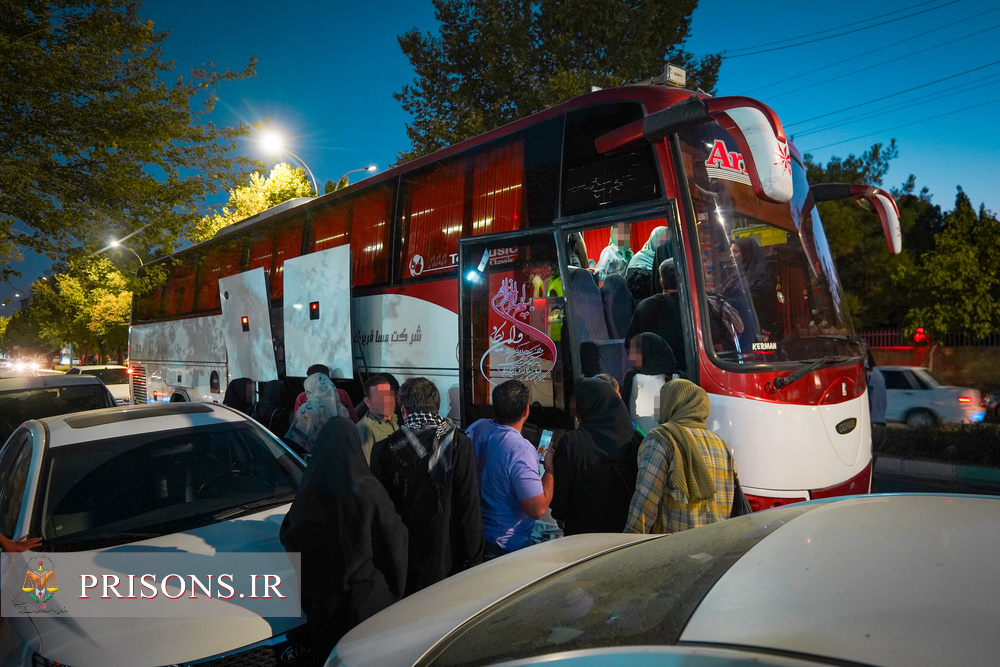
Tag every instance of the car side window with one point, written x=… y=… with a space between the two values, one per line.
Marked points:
x=896 y=380
x=8 y=453
x=919 y=381
x=13 y=489
x=73 y=371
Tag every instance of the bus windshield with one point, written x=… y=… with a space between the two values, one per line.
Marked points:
x=771 y=286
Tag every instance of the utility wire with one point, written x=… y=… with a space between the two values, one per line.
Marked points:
x=884 y=62
x=868 y=53
x=909 y=104
x=839 y=27
x=841 y=34
x=885 y=97
x=896 y=127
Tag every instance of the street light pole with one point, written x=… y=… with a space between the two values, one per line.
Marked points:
x=351 y=171
x=308 y=170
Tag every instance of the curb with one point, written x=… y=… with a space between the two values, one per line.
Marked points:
x=926 y=469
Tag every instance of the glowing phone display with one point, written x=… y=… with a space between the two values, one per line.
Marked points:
x=543 y=444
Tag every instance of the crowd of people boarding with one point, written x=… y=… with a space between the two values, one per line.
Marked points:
x=395 y=497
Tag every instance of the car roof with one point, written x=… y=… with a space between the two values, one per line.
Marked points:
x=45 y=381
x=100 y=367
x=129 y=420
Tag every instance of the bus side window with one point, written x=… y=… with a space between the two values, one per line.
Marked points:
x=262 y=252
x=179 y=290
x=287 y=245
x=371 y=221
x=592 y=181
x=213 y=383
x=433 y=220
x=219 y=261
x=497 y=189
x=329 y=227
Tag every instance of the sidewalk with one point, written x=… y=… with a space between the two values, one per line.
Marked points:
x=935 y=470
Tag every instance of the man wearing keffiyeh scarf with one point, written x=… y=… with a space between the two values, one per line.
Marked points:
x=429 y=469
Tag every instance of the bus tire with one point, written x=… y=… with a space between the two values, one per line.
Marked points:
x=178 y=398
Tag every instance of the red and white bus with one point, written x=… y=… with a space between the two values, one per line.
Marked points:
x=457 y=267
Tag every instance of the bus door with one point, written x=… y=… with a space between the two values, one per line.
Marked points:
x=511 y=327
x=619 y=290
x=247 y=326
x=317 y=312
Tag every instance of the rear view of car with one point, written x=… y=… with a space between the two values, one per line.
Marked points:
x=27 y=398
x=115 y=378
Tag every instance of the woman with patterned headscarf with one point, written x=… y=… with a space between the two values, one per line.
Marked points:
x=686 y=472
x=322 y=405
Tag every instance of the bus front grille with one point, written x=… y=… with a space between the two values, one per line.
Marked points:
x=138 y=385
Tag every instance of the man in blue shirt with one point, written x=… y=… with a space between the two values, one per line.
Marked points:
x=513 y=495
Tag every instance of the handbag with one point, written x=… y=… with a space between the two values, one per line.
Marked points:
x=740 y=504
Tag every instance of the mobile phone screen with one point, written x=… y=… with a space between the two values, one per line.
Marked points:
x=543 y=444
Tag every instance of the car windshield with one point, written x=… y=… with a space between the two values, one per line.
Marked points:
x=17 y=407
x=109 y=375
x=120 y=489
x=641 y=594
x=771 y=286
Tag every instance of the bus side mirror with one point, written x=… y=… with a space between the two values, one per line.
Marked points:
x=754 y=126
x=874 y=199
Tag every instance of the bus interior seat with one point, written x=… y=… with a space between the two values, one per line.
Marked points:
x=618 y=305
x=600 y=352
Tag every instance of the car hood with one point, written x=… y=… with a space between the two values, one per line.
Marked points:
x=405 y=631
x=83 y=641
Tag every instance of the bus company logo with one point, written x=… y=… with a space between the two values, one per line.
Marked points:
x=784 y=158
x=726 y=165
x=40 y=584
x=416 y=265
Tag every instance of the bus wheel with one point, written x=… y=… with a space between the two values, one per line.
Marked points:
x=178 y=398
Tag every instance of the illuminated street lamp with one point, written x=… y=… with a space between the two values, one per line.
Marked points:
x=115 y=243
x=274 y=143
x=351 y=171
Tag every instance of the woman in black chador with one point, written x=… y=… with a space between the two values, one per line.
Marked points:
x=595 y=465
x=352 y=541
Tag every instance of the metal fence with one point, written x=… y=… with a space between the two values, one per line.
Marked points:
x=896 y=338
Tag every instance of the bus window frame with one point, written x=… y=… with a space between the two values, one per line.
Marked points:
x=629 y=215
x=516 y=237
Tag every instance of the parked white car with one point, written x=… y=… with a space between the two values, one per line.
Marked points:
x=872 y=580
x=193 y=478
x=115 y=378
x=916 y=398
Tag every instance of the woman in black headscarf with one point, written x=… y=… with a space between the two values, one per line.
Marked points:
x=751 y=291
x=653 y=364
x=595 y=465
x=352 y=542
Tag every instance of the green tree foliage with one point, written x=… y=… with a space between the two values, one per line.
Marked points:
x=494 y=61
x=956 y=286
x=94 y=140
x=87 y=306
x=261 y=193
x=857 y=241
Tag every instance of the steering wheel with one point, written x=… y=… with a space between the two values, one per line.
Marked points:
x=213 y=478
